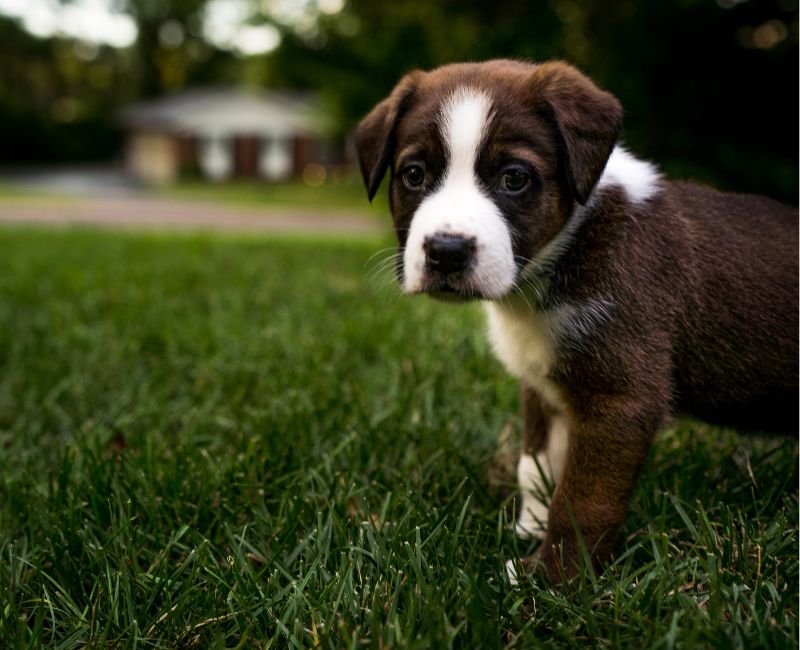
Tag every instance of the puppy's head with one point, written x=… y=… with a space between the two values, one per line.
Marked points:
x=487 y=161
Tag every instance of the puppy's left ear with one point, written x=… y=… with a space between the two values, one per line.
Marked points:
x=588 y=121
x=375 y=133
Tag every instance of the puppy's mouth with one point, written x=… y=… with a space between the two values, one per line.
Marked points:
x=450 y=289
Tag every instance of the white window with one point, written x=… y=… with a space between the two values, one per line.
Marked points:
x=275 y=159
x=216 y=157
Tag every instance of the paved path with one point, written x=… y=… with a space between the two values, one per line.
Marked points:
x=157 y=213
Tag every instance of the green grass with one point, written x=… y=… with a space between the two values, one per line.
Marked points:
x=345 y=194
x=11 y=193
x=239 y=442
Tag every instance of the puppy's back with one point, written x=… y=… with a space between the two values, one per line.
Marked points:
x=737 y=340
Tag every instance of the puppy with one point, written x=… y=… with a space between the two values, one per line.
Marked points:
x=616 y=296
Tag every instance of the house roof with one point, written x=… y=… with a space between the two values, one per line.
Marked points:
x=226 y=112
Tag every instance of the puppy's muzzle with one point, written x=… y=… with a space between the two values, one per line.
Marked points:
x=449 y=254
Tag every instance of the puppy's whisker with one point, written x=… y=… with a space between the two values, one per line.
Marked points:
x=392 y=249
x=386 y=265
x=382 y=277
x=379 y=266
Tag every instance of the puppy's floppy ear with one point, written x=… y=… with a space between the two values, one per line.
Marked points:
x=375 y=133
x=588 y=121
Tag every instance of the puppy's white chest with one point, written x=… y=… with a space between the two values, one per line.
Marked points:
x=522 y=340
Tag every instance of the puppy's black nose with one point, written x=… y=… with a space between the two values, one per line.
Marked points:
x=449 y=253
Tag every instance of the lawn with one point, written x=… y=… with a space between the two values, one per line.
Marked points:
x=342 y=193
x=345 y=193
x=245 y=442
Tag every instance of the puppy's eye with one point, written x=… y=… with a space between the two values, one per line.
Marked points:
x=514 y=180
x=414 y=176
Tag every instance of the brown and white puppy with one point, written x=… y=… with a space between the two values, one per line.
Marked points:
x=617 y=297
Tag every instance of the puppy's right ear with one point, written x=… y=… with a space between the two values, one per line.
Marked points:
x=587 y=120
x=375 y=133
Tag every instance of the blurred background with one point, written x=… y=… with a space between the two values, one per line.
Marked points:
x=257 y=99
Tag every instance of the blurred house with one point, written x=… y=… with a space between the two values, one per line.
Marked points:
x=224 y=133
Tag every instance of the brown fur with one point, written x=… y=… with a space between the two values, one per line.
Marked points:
x=703 y=284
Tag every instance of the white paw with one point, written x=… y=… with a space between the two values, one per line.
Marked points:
x=511 y=572
x=530 y=528
x=532 y=521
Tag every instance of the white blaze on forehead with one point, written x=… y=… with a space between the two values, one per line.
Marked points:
x=458 y=206
x=462 y=122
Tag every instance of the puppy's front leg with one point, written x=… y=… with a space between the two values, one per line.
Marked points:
x=541 y=462
x=608 y=443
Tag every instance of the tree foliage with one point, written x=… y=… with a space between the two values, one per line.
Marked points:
x=709 y=87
